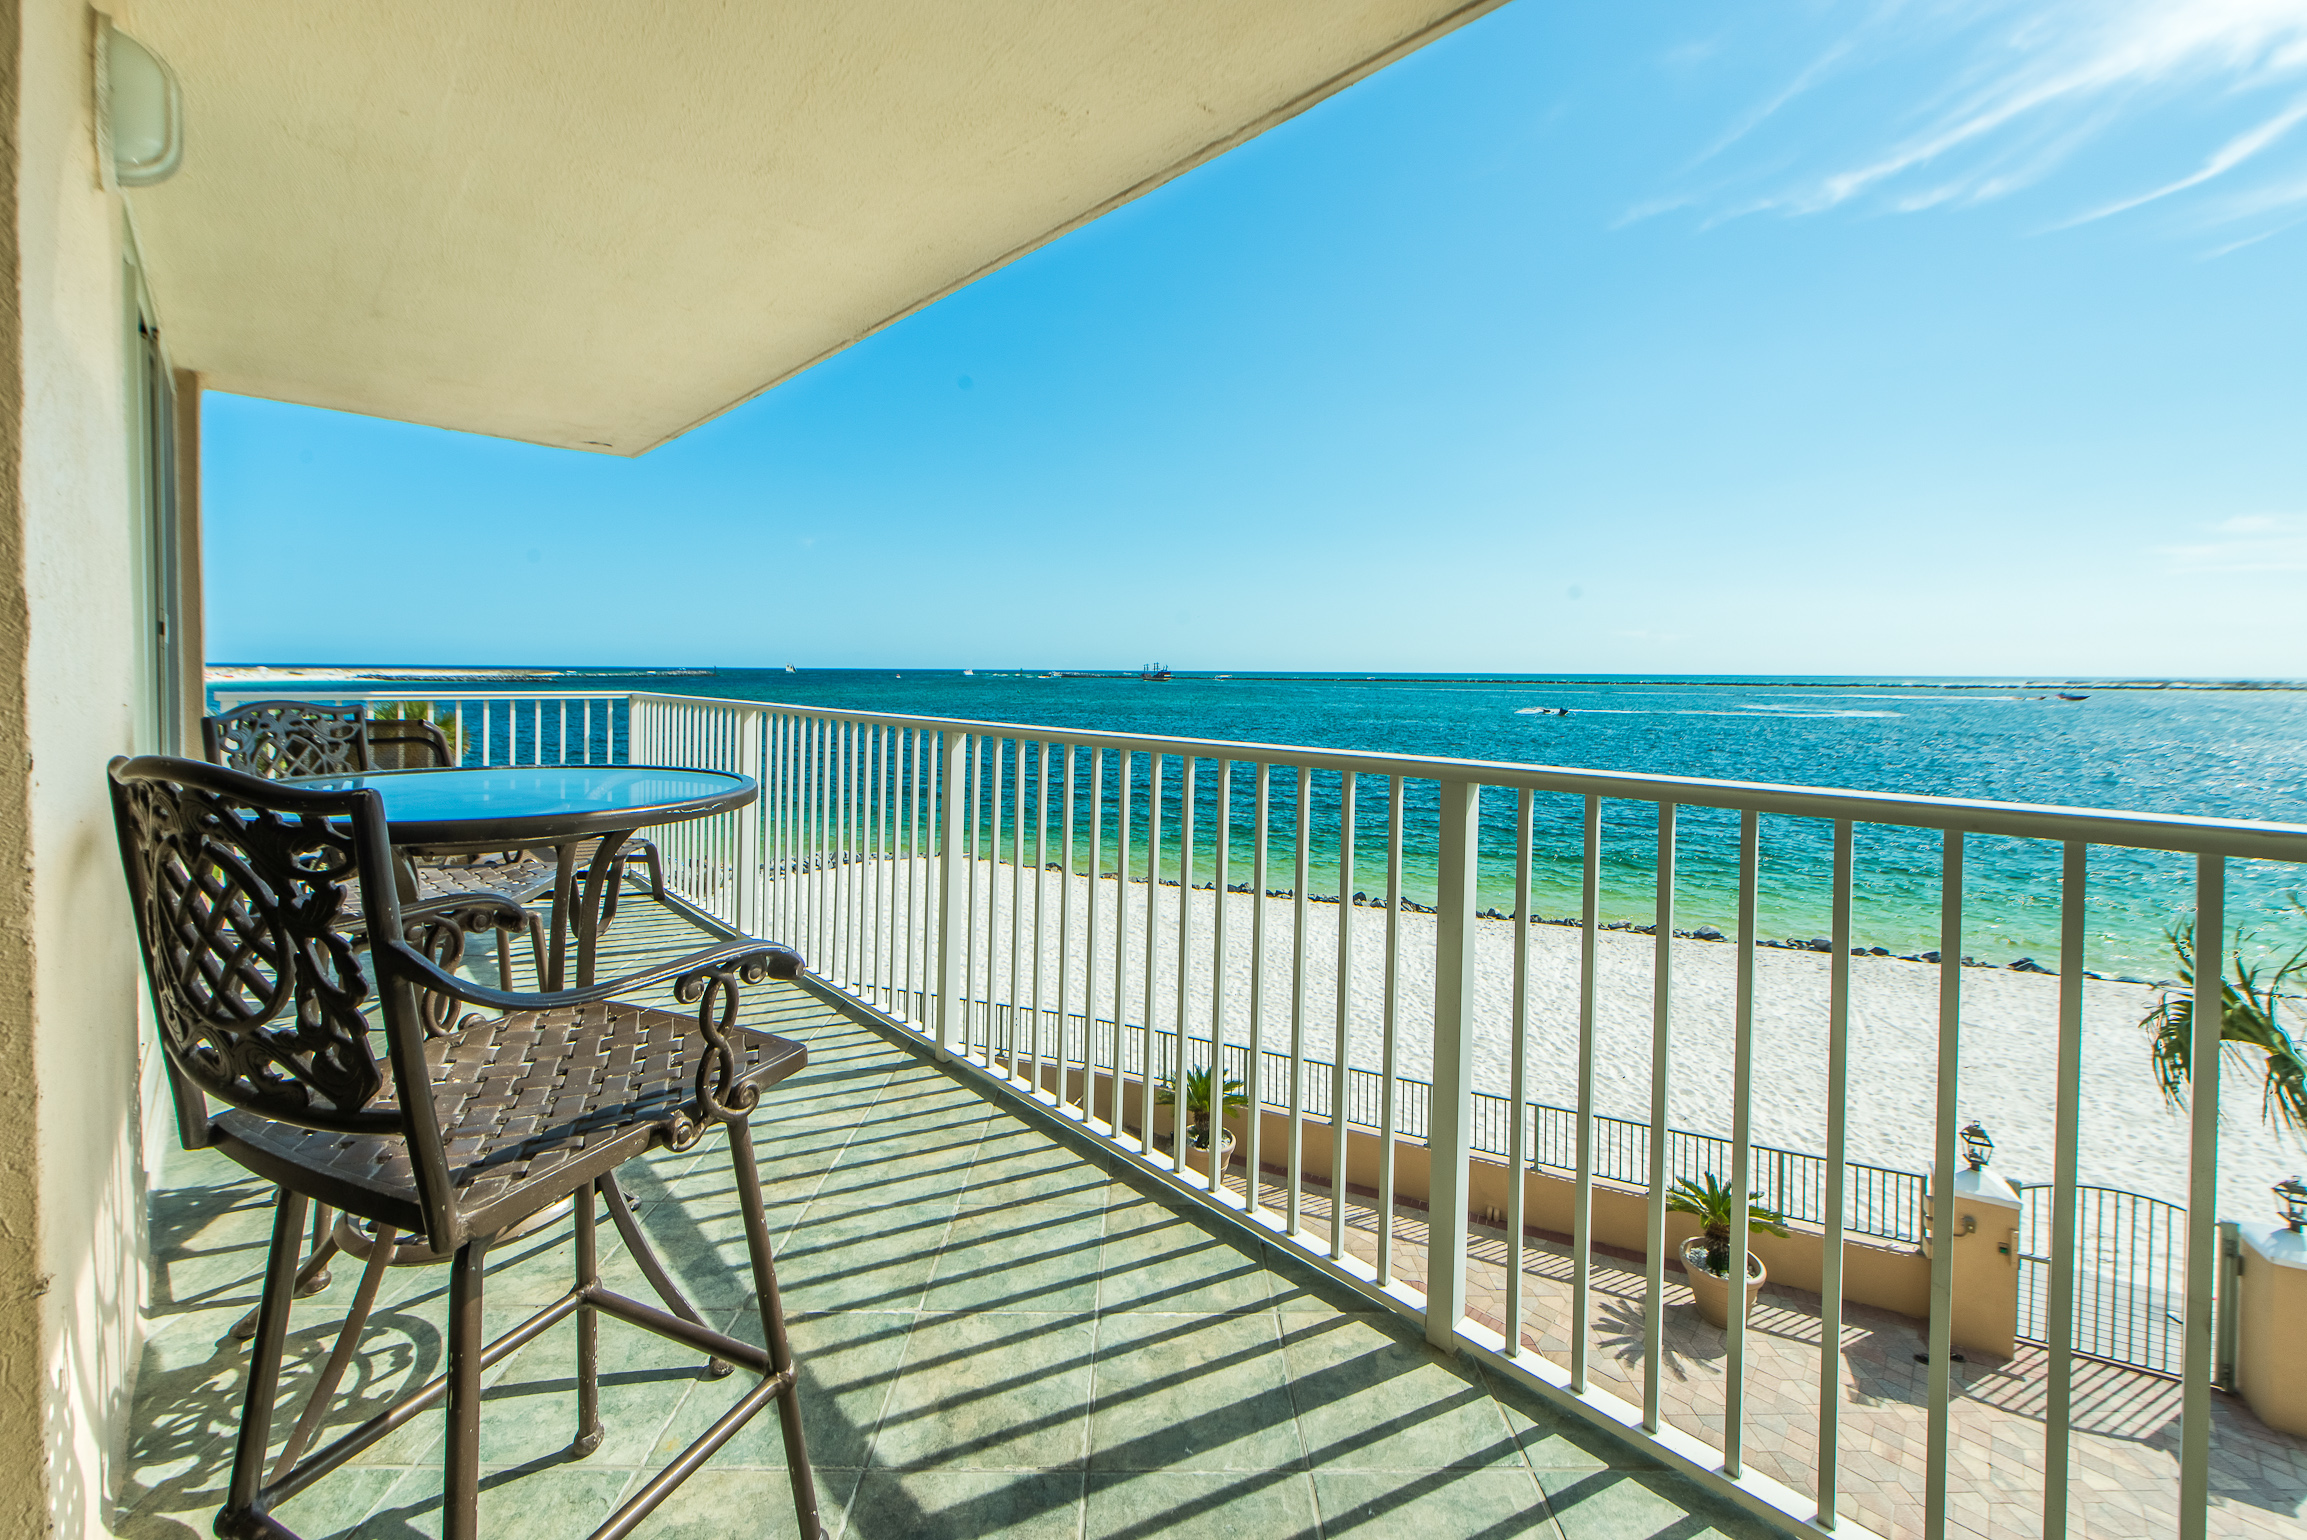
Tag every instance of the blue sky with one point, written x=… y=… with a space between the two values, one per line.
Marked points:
x=1943 y=338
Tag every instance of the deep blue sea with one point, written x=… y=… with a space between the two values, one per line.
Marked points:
x=2230 y=752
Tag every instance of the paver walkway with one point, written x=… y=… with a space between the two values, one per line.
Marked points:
x=2126 y=1440
x=1000 y=1335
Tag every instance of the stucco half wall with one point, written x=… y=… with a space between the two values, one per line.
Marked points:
x=72 y=1240
x=595 y=224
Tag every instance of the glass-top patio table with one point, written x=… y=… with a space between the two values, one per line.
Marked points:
x=539 y=807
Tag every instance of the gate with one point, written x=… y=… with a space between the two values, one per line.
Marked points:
x=2130 y=1275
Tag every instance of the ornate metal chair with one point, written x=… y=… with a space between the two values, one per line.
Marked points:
x=240 y=888
x=276 y=738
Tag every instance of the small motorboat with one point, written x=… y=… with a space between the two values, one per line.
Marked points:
x=2063 y=695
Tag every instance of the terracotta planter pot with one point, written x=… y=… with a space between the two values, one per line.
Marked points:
x=1198 y=1159
x=1711 y=1289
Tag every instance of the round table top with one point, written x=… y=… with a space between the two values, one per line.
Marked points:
x=510 y=805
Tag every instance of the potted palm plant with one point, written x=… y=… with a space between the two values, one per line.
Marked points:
x=1706 y=1257
x=1232 y=1099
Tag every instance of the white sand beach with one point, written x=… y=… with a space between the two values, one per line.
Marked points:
x=2130 y=1138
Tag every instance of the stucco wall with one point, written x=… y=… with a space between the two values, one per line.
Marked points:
x=72 y=1283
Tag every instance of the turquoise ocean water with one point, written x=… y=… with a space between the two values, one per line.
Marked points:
x=2235 y=753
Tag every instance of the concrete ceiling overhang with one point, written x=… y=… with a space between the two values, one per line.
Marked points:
x=597 y=223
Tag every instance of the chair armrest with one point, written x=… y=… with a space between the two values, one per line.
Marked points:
x=753 y=958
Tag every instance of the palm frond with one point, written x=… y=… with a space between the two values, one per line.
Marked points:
x=2248 y=1018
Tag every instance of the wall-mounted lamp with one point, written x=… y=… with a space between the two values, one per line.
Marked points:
x=139 y=111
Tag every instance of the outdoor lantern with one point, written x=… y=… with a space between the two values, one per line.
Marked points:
x=1978 y=1149
x=2293 y=1192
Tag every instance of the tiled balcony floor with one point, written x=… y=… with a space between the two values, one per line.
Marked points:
x=999 y=1335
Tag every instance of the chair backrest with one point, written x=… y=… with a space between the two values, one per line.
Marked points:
x=276 y=738
x=407 y=743
x=239 y=889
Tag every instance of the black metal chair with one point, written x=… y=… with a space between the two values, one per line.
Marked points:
x=240 y=888
x=276 y=738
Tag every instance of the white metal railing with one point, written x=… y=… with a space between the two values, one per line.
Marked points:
x=935 y=870
x=522 y=727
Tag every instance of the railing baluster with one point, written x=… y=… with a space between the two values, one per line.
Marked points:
x=1582 y=1196
x=950 y=963
x=1181 y=1063
x=1391 y=1026
x=1342 y=1054
x=1124 y=776
x=1221 y=868
x=2059 y=1317
x=1016 y=990
x=1091 y=959
x=1836 y=1167
x=1252 y=1171
x=1298 y=982
x=1065 y=948
x=1941 y=1381
x=1155 y=765
x=2202 y=1195
x=1040 y=892
x=1741 y=1138
x=1661 y=1037
x=1450 y=1120
x=1518 y=1154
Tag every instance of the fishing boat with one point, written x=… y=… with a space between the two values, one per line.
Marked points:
x=1155 y=673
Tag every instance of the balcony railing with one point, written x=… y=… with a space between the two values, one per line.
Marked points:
x=1053 y=911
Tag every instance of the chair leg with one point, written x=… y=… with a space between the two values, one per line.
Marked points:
x=637 y=1244
x=536 y=946
x=312 y=1277
x=347 y=1338
x=461 y=1471
x=239 y=1516
x=773 y=1327
x=656 y=870
x=588 y=1436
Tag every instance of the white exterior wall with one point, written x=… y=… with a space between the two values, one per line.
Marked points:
x=80 y=706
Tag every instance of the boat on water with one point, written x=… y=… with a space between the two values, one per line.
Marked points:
x=790 y=669
x=969 y=673
x=2063 y=695
x=1155 y=673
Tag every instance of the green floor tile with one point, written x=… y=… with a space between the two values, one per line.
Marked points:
x=1038 y=1257
x=1433 y=1505
x=991 y=1392
x=1192 y=1392
x=1258 y=1505
x=1157 y=1258
x=720 y=1502
x=1371 y=1397
x=1625 y=1505
x=849 y=1361
x=532 y=1503
x=966 y=1505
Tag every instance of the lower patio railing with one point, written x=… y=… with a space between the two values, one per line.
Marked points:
x=1008 y=894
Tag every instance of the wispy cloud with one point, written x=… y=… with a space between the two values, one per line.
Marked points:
x=1928 y=104
x=2251 y=543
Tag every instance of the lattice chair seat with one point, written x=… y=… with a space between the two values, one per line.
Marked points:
x=533 y=1105
x=464 y=1131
